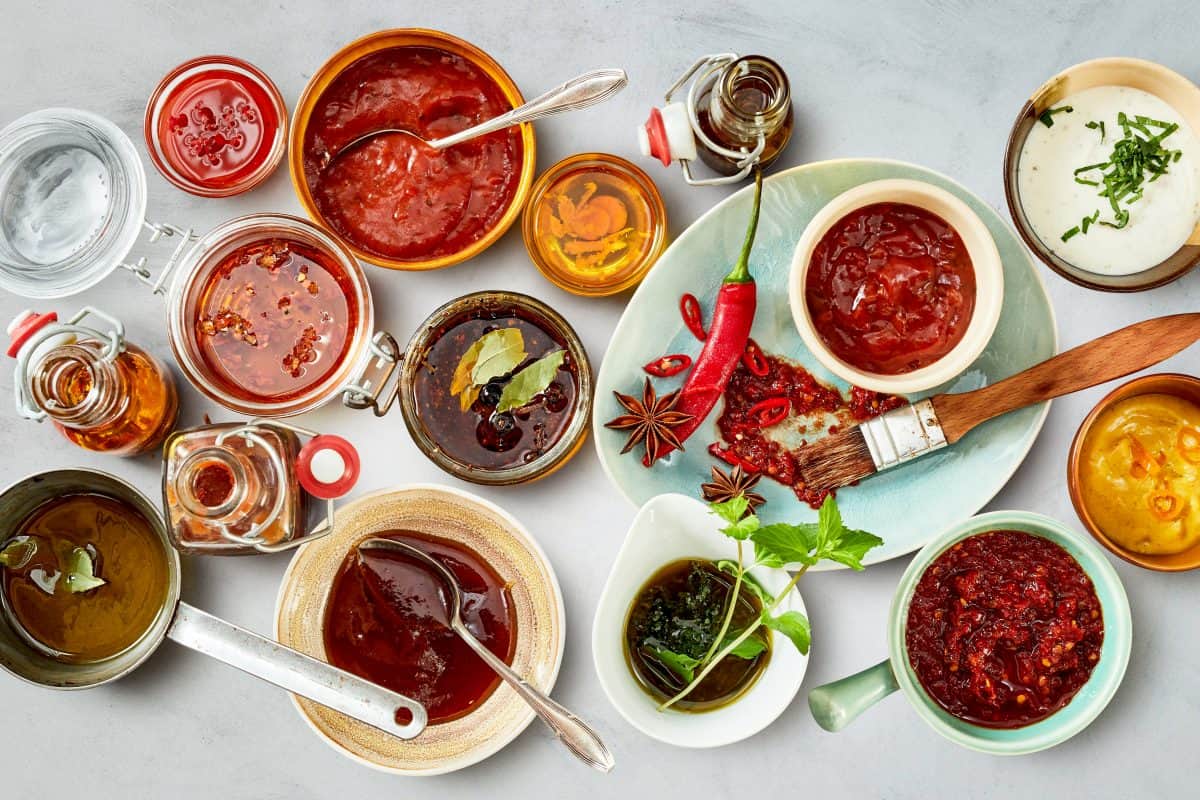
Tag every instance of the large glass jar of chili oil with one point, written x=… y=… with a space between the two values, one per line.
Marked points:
x=271 y=316
x=104 y=393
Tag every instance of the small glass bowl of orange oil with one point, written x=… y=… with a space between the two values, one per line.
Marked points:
x=594 y=224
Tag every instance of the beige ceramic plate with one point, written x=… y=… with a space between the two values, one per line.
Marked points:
x=503 y=543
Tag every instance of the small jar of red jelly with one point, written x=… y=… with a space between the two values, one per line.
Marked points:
x=236 y=489
x=216 y=126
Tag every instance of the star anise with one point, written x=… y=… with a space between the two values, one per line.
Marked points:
x=650 y=420
x=724 y=487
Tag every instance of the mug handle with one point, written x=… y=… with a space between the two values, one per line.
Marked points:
x=835 y=705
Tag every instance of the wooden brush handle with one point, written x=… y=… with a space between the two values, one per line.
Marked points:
x=1113 y=356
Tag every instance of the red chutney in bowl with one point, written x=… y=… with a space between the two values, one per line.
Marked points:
x=393 y=196
x=385 y=621
x=890 y=288
x=1003 y=629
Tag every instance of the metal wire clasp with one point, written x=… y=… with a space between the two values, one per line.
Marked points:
x=367 y=388
x=160 y=230
x=706 y=70
x=114 y=340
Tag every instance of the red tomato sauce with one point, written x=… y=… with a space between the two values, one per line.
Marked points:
x=273 y=319
x=814 y=407
x=218 y=128
x=1003 y=629
x=393 y=196
x=385 y=621
x=891 y=288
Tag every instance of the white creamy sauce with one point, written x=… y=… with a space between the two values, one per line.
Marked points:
x=1159 y=223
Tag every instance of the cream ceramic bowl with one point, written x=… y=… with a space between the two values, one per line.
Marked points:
x=502 y=542
x=985 y=258
x=668 y=528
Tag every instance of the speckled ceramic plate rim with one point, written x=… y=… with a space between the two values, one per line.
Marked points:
x=500 y=742
x=603 y=383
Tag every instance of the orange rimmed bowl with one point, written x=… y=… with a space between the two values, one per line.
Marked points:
x=386 y=40
x=1183 y=386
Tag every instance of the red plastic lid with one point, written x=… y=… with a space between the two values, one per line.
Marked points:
x=24 y=325
x=327 y=467
x=656 y=132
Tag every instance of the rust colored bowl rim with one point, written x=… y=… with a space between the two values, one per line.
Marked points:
x=1179 y=385
x=1172 y=88
x=386 y=40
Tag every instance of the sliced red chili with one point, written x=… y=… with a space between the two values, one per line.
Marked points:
x=668 y=366
x=754 y=359
x=689 y=307
x=770 y=412
x=727 y=455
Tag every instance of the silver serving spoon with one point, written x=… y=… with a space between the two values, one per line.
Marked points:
x=570 y=729
x=580 y=92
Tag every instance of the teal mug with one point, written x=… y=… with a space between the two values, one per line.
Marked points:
x=836 y=704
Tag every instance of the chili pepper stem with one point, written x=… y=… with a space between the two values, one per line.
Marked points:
x=741 y=270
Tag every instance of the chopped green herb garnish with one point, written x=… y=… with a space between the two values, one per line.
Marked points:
x=1137 y=159
x=1097 y=126
x=1047 y=116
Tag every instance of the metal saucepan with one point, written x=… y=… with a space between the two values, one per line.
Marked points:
x=189 y=626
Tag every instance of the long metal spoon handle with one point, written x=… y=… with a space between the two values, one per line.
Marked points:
x=292 y=670
x=586 y=90
x=570 y=729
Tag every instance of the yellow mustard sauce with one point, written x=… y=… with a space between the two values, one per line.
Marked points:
x=1140 y=476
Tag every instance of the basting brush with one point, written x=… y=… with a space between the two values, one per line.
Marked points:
x=903 y=434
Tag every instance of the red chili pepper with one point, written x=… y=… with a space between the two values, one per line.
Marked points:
x=668 y=366
x=689 y=308
x=771 y=411
x=754 y=360
x=731 y=458
x=733 y=315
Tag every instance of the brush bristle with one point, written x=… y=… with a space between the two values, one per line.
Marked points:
x=838 y=460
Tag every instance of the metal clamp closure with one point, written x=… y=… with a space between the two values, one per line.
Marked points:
x=114 y=345
x=158 y=231
x=367 y=390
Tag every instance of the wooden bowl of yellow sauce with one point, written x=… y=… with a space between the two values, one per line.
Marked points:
x=1134 y=472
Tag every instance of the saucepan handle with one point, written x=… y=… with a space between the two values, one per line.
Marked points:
x=292 y=670
x=835 y=705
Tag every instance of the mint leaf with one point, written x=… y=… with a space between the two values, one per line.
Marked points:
x=781 y=544
x=793 y=625
x=501 y=351
x=17 y=552
x=81 y=576
x=681 y=665
x=732 y=510
x=530 y=382
x=829 y=518
x=749 y=582
x=742 y=529
x=852 y=547
x=748 y=649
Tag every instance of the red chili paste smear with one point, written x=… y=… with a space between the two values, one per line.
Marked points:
x=815 y=408
x=1003 y=629
x=393 y=196
x=386 y=621
x=218 y=128
x=891 y=288
x=273 y=319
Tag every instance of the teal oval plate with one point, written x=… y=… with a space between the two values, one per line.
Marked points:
x=909 y=505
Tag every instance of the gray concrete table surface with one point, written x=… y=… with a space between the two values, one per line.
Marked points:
x=936 y=82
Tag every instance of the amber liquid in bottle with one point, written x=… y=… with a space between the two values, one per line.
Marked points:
x=125 y=406
x=233 y=486
x=750 y=97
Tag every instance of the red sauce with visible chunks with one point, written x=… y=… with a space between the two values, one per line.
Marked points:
x=393 y=196
x=386 y=621
x=891 y=288
x=274 y=318
x=814 y=408
x=1003 y=629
